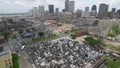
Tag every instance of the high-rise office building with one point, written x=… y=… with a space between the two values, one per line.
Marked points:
x=57 y=10
x=86 y=12
x=63 y=10
x=41 y=9
x=30 y=12
x=35 y=11
x=71 y=6
x=112 y=14
x=51 y=8
x=86 y=9
x=93 y=11
x=118 y=12
x=113 y=10
x=67 y=5
x=103 y=10
x=94 y=7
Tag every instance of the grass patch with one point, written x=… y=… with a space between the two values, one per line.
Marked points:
x=73 y=36
x=113 y=64
x=117 y=49
x=75 y=30
x=112 y=47
x=112 y=35
x=43 y=38
x=15 y=59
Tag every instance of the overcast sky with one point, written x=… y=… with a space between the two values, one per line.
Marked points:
x=19 y=6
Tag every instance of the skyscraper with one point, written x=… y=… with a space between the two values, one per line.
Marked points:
x=63 y=10
x=51 y=8
x=71 y=6
x=94 y=7
x=118 y=12
x=57 y=10
x=86 y=9
x=113 y=10
x=93 y=11
x=35 y=11
x=103 y=10
x=67 y=5
x=85 y=13
x=41 y=10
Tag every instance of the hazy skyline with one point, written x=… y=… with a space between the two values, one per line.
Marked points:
x=20 y=6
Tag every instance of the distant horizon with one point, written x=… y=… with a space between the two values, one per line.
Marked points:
x=13 y=13
x=23 y=6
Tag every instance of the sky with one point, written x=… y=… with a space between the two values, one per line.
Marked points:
x=21 y=6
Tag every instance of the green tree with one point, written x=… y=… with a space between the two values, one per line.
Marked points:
x=6 y=34
x=9 y=20
x=27 y=30
x=99 y=42
x=21 y=31
x=93 y=41
x=73 y=36
x=89 y=40
x=15 y=59
x=33 y=29
x=111 y=34
x=116 y=29
x=41 y=34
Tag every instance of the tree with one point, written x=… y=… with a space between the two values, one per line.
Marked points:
x=66 y=32
x=99 y=42
x=33 y=29
x=90 y=40
x=116 y=29
x=111 y=34
x=6 y=34
x=93 y=41
x=21 y=31
x=9 y=20
x=15 y=59
x=41 y=34
x=95 y=23
x=27 y=30
x=73 y=36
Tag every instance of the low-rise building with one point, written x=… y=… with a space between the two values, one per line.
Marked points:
x=99 y=32
x=2 y=39
x=85 y=14
x=66 y=15
x=5 y=59
x=117 y=38
x=27 y=35
x=78 y=24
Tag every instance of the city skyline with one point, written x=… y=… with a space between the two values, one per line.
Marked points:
x=16 y=6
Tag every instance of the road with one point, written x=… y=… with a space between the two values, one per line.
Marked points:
x=15 y=47
x=24 y=63
x=60 y=36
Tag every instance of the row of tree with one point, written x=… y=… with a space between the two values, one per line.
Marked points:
x=92 y=41
x=116 y=29
x=15 y=59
